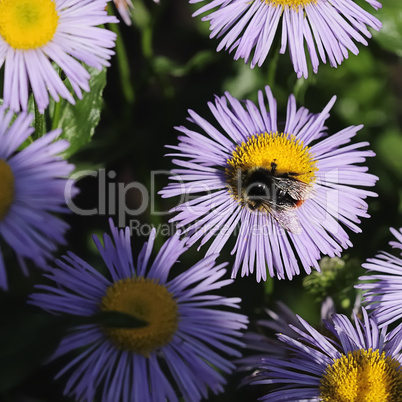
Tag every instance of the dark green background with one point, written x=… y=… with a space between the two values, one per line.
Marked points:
x=172 y=67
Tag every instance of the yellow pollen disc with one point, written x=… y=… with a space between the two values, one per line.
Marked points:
x=6 y=188
x=28 y=24
x=362 y=376
x=261 y=150
x=148 y=301
x=296 y=4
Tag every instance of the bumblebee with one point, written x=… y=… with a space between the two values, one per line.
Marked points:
x=279 y=194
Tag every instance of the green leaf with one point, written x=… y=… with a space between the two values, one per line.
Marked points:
x=390 y=36
x=109 y=319
x=80 y=120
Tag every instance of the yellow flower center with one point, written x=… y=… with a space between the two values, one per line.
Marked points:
x=289 y=155
x=362 y=376
x=296 y=4
x=6 y=188
x=148 y=301
x=28 y=24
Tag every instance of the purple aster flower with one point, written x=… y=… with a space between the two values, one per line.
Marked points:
x=329 y=28
x=32 y=184
x=124 y=7
x=357 y=362
x=383 y=287
x=189 y=330
x=35 y=33
x=290 y=192
x=261 y=344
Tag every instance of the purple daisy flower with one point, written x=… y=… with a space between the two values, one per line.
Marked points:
x=329 y=27
x=124 y=7
x=32 y=184
x=261 y=345
x=188 y=333
x=35 y=33
x=291 y=192
x=358 y=362
x=383 y=287
x=263 y=342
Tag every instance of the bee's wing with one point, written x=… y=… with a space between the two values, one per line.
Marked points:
x=285 y=216
x=298 y=190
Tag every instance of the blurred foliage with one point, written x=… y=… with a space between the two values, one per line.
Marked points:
x=165 y=65
x=390 y=36
x=337 y=279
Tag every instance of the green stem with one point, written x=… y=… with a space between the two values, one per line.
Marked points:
x=146 y=42
x=123 y=65
x=40 y=125
x=268 y=286
x=144 y=20
x=56 y=115
x=299 y=89
x=272 y=67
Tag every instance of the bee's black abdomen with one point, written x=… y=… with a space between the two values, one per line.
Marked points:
x=258 y=190
x=261 y=188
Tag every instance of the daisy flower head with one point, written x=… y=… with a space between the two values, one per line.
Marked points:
x=289 y=192
x=189 y=330
x=262 y=342
x=32 y=185
x=358 y=362
x=383 y=284
x=328 y=28
x=34 y=34
x=124 y=7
